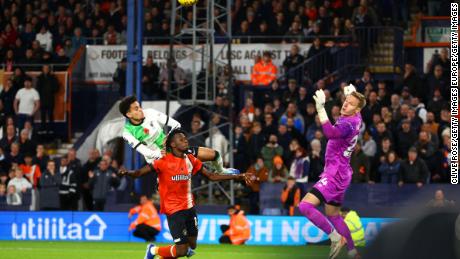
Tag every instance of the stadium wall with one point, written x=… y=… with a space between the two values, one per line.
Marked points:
x=92 y=226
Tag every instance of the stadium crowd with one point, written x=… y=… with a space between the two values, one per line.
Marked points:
x=405 y=138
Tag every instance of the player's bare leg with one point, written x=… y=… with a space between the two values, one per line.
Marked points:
x=308 y=208
x=333 y=215
x=210 y=155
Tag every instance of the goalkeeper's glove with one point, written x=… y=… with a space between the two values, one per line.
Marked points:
x=320 y=100
x=347 y=90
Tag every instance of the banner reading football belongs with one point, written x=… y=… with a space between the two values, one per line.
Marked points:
x=102 y=61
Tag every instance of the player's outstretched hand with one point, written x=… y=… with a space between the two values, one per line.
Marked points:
x=320 y=99
x=247 y=178
x=123 y=172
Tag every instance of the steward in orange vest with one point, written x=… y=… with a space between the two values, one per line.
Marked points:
x=264 y=72
x=238 y=231
x=148 y=224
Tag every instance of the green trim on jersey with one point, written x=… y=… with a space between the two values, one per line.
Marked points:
x=137 y=131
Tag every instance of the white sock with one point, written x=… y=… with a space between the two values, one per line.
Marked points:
x=335 y=236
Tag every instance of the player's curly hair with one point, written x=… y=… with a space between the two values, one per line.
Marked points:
x=170 y=137
x=125 y=104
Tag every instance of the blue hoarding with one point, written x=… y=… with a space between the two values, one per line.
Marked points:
x=100 y=226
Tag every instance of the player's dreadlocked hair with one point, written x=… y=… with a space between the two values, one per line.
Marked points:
x=170 y=137
x=125 y=104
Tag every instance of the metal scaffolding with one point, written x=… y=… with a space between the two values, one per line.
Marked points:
x=197 y=36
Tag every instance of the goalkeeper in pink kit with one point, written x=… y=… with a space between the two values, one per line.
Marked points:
x=336 y=177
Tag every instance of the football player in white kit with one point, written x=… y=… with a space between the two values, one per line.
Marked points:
x=144 y=132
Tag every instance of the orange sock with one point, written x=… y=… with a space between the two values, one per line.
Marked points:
x=166 y=251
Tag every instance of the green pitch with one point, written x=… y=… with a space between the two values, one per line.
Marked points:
x=99 y=250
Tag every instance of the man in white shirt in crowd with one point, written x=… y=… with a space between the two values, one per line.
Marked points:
x=19 y=182
x=45 y=38
x=26 y=103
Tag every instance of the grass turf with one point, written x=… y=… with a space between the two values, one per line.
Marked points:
x=98 y=250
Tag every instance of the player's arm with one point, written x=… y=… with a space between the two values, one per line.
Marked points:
x=330 y=131
x=136 y=173
x=219 y=177
x=150 y=154
x=163 y=119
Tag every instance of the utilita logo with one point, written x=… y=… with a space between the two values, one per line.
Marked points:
x=57 y=229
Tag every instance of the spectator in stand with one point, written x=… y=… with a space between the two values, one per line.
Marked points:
x=20 y=183
x=279 y=173
x=8 y=138
x=179 y=78
x=300 y=167
x=100 y=182
x=218 y=142
x=94 y=157
x=12 y=197
x=291 y=93
x=316 y=48
x=248 y=109
x=78 y=39
x=196 y=140
x=238 y=231
x=413 y=170
x=112 y=37
x=437 y=80
x=3 y=194
x=256 y=141
x=442 y=59
x=25 y=144
x=47 y=87
x=49 y=187
x=41 y=158
x=68 y=186
x=291 y=112
x=406 y=138
x=45 y=38
x=362 y=18
x=292 y=61
x=316 y=161
x=14 y=156
x=151 y=73
x=30 y=170
x=295 y=34
x=369 y=146
x=147 y=224
x=26 y=103
x=244 y=32
x=413 y=81
x=270 y=150
x=259 y=174
x=437 y=103
x=389 y=169
x=119 y=77
x=269 y=126
x=264 y=72
x=290 y=197
x=7 y=98
x=440 y=201
x=361 y=166
x=427 y=150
